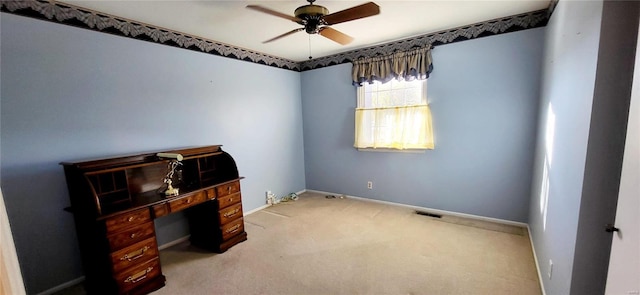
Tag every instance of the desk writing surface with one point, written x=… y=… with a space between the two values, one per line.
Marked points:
x=152 y=198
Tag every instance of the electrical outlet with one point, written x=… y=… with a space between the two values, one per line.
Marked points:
x=269 y=198
x=550 y=273
x=369 y=184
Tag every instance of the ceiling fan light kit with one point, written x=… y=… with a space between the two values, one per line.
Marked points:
x=311 y=17
x=316 y=19
x=305 y=11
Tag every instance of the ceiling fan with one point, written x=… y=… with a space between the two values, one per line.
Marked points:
x=316 y=19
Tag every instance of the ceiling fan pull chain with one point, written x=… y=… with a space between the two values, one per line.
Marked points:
x=310 y=47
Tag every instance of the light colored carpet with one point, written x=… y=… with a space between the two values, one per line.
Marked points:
x=346 y=246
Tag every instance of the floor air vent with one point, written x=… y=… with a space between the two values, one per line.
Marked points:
x=428 y=214
x=483 y=224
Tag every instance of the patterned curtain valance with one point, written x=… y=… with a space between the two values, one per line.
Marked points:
x=408 y=65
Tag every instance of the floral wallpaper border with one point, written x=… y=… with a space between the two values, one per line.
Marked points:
x=514 y=23
x=76 y=16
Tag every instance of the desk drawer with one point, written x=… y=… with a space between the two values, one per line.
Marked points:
x=122 y=221
x=228 y=200
x=230 y=213
x=232 y=228
x=228 y=189
x=134 y=254
x=138 y=275
x=131 y=236
x=188 y=201
x=160 y=210
x=211 y=194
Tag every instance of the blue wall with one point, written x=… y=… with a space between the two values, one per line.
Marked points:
x=70 y=94
x=588 y=68
x=484 y=99
x=568 y=83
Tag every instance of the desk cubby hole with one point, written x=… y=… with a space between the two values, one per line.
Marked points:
x=190 y=179
x=111 y=189
x=207 y=169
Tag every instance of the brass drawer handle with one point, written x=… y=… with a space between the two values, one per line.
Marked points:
x=188 y=201
x=131 y=218
x=231 y=213
x=233 y=229
x=229 y=189
x=133 y=235
x=136 y=254
x=138 y=276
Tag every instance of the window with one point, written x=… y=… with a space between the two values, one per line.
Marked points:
x=393 y=115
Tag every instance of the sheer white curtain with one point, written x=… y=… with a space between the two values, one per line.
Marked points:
x=394 y=127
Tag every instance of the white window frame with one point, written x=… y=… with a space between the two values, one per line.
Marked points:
x=361 y=103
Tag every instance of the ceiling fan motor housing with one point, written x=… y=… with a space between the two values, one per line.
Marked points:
x=312 y=16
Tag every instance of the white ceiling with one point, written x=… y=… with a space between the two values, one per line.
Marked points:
x=230 y=22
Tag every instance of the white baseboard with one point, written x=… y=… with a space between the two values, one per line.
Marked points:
x=535 y=259
x=267 y=205
x=185 y=238
x=256 y=210
x=174 y=242
x=450 y=213
x=62 y=286
x=430 y=210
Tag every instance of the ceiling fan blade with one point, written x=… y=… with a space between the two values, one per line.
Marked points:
x=274 y=13
x=335 y=35
x=353 y=13
x=283 y=35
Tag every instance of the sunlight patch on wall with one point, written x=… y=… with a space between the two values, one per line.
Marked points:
x=544 y=193
x=548 y=157
x=550 y=131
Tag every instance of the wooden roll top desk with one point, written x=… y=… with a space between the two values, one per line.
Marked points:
x=114 y=202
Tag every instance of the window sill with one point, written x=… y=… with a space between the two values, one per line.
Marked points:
x=386 y=150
